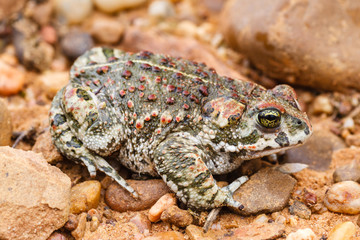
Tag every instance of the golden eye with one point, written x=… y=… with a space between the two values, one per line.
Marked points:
x=269 y=118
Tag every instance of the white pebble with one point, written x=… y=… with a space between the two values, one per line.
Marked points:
x=161 y=8
x=111 y=6
x=302 y=234
x=343 y=197
x=342 y=231
x=74 y=11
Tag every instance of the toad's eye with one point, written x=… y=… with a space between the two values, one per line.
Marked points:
x=269 y=118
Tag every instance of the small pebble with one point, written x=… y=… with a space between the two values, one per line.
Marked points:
x=57 y=236
x=349 y=172
x=163 y=203
x=322 y=104
x=48 y=34
x=76 y=43
x=94 y=224
x=342 y=231
x=117 y=198
x=52 y=82
x=262 y=218
x=348 y=123
x=79 y=232
x=142 y=222
x=300 y=209
x=94 y=213
x=161 y=8
x=5 y=124
x=310 y=198
x=106 y=29
x=107 y=212
x=343 y=197
x=176 y=216
x=74 y=11
x=11 y=79
x=112 y=6
x=302 y=234
x=84 y=196
x=72 y=223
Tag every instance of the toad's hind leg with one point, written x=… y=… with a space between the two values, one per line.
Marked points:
x=180 y=160
x=71 y=147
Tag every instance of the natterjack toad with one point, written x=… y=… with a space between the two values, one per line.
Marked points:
x=171 y=117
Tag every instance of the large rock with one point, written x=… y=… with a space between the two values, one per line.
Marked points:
x=311 y=43
x=266 y=191
x=34 y=196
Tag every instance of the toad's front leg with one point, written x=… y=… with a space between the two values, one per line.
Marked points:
x=180 y=160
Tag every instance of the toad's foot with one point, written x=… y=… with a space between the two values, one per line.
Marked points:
x=231 y=188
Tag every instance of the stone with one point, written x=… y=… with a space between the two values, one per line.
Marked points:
x=302 y=234
x=173 y=235
x=353 y=140
x=33 y=52
x=142 y=222
x=57 y=236
x=11 y=79
x=5 y=124
x=317 y=151
x=159 y=207
x=266 y=191
x=85 y=196
x=149 y=192
x=75 y=43
x=79 y=231
x=112 y=6
x=161 y=8
x=48 y=34
x=322 y=104
x=74 y=11
x=319 y=56
x=8 y=8
x=51 y=82
x=106 y=29
x=300 y=209
x=342 y=231
x=176 y=216
x=343 y=197
x=45 y=146
x=348 y=172
x=72 y=223
x=42 y=12
x=35 y=195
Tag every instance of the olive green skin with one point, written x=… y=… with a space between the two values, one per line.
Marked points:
x=171 y=117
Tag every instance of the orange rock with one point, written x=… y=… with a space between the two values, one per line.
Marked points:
x=11 y=80
x=158 y=208
x=84 y=196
